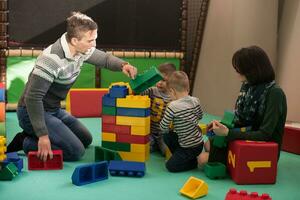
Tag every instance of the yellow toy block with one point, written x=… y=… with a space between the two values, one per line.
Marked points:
x=110 y=137
x=2 y=157
x=133 y=121
x=194 y=188
x=133 y=156
x=168 y=154
x=134 y=101
x=140 y=148
x=121 y=84
x=2 y=148
x=140 y=130
x=203 y=128
x=2 y=140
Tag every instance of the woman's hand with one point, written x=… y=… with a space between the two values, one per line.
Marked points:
x=44 y=148
x=218 y=128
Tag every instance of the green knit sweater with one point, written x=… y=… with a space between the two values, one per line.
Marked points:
x=270 y=125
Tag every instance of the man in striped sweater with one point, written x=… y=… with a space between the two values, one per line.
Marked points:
x=46 y=126
x=183 y=113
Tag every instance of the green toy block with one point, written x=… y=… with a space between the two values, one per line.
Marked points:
x=109 y=110
x=117 y=146
x=219 y=141
x=8 y=172
x=214 y=170
x=228 y=119
x=145 y=80
x=102 y=154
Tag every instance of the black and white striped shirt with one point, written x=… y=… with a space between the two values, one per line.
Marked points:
x=185 y=114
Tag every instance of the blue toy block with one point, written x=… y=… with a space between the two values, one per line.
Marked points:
x=90 y=173
x=15 y=159
x=107 y=100
x=145 y=80
x=126 y=168
x=133 y=112
x=2 y=95
x=118 y=91
x=210 y=134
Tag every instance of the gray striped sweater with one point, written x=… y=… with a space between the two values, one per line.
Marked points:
x=53 y=75
x=185 y=114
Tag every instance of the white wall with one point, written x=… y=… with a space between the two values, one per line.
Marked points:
x=230 y=25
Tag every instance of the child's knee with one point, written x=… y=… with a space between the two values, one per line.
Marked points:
x=202 y=158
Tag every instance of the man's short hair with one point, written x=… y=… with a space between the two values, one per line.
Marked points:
x=79 y=23
x=179 y=81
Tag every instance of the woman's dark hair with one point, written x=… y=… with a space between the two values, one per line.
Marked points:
x=254 y=64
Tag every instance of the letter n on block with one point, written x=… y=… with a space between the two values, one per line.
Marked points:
x=251 y=162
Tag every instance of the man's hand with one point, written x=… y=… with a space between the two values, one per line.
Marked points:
x=44 y=148
x=129 y=70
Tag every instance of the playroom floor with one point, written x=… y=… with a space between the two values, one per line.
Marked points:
x=157 y=184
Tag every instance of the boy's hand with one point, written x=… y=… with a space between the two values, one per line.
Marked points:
x=129 y=70
x=44 y=148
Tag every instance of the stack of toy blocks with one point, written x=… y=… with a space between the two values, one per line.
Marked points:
x=291 y=138
x=251 y=162
x=85 y=102
x=2 y=109
x=233 y=194
x=126 y=123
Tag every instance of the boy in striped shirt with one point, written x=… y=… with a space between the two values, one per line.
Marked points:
x=184 y=112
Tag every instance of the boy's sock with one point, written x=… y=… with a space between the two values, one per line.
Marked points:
x=17 y=143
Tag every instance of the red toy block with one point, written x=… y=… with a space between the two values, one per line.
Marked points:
x=118 y=129
x=108 y=119
x=252 y=162
x=86 y=102
x=132 y=139
x=34 y=163
x=291 y=139
x=233 y=194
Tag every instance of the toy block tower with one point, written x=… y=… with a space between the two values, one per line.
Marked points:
x=252 y=162
x=126 y=123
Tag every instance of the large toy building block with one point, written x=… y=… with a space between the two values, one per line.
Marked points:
x=2 y=111
x=140 y=148
x=110 y=137
x=291 y=139
x=118 y=91
x=121 y=84
x=34 y=163
x=85 y=102
x=118 y=129
x=109 y=110
x=132 y=139
x=140 y=130
x=134 y=101
x=8 y=172
x=194 y=188
x=107 y=100
x=13 y=157
x=132 y=121
x=127 y=168
x=117 y=146
x=108 y=119
x=215 y=170
x=135 y=156
x=145 y=80
x=2 y=94
x=90 y=173
x=203 y=128
x=251 y=162
x=2 y=148
x=102 y=154
x=233 y=194
x=133 y=112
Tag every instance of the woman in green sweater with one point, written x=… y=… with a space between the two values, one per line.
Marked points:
x=261 y=104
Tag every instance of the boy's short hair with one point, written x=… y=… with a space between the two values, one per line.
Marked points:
x=167 y=68
x=179 y=81
x=79 y=23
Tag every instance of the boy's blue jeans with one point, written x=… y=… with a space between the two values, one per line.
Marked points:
x=65 y=132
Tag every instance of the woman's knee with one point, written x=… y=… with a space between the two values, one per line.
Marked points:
x=74 y=153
